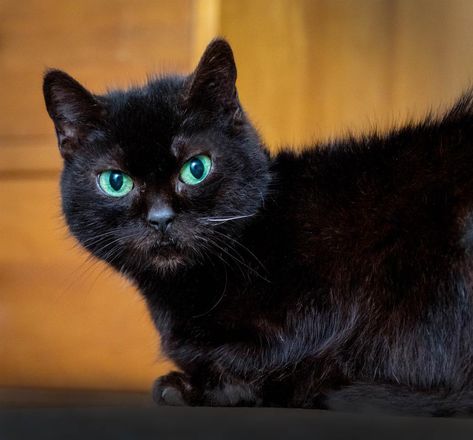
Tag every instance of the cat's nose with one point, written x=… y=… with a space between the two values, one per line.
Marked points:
x=160 y=217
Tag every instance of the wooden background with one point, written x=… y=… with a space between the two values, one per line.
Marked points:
x=308 y=69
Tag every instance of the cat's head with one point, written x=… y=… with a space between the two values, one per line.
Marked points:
x=158 y=176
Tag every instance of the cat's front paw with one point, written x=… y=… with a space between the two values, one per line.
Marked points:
x=173 y=389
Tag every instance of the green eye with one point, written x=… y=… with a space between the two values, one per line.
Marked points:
x=115 y=183
x=196 y=169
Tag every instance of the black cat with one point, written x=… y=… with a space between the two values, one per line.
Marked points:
x=337 y=278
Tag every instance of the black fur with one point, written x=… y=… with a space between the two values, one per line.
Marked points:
x=340 y=277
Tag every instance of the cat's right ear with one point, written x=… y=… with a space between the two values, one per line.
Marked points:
x=73 y=109
x=212 y=84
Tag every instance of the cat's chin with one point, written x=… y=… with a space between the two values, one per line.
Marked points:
x=169 y=264
x=167 y=259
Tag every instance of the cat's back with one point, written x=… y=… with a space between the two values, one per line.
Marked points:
x=397 y=204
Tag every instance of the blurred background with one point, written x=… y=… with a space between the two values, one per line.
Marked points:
x=308 y=70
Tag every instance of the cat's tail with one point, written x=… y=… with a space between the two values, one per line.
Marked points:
x=393 y=399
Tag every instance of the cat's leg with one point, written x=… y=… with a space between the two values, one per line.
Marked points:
x=304 y=385
x=339 y=394
x=180 y=389
x=309 y=391
x=310 y=386
x=399 y=399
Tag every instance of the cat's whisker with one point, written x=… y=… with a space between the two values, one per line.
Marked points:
x=239 y=263
x=207 y=245
x=93 y=241
x=215 y=250
x=81 y=272
x=243 y=247
x=226 y=219
x=224 y=247
x=219 y=299
x=118 y=239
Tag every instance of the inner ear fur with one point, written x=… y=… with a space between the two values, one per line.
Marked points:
x=74 y=110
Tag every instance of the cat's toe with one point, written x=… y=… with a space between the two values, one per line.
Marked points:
x=171 y=390
x=171 y=396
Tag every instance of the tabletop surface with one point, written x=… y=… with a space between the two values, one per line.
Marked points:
x=43 y=414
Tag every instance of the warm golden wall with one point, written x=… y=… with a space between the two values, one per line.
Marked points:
x=307 y=68
x=66 y=322
x=317 y=68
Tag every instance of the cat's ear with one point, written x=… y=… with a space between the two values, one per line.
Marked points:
x=73 y=109
x=212 y=84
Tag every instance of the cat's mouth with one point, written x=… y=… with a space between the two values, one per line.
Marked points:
x=165 y=250
x=166 y=255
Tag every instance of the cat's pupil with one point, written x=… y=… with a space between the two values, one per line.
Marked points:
x=116 y=180
x=197 y=168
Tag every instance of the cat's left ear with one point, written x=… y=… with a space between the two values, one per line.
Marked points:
x=74 y=110
x=212 y=85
